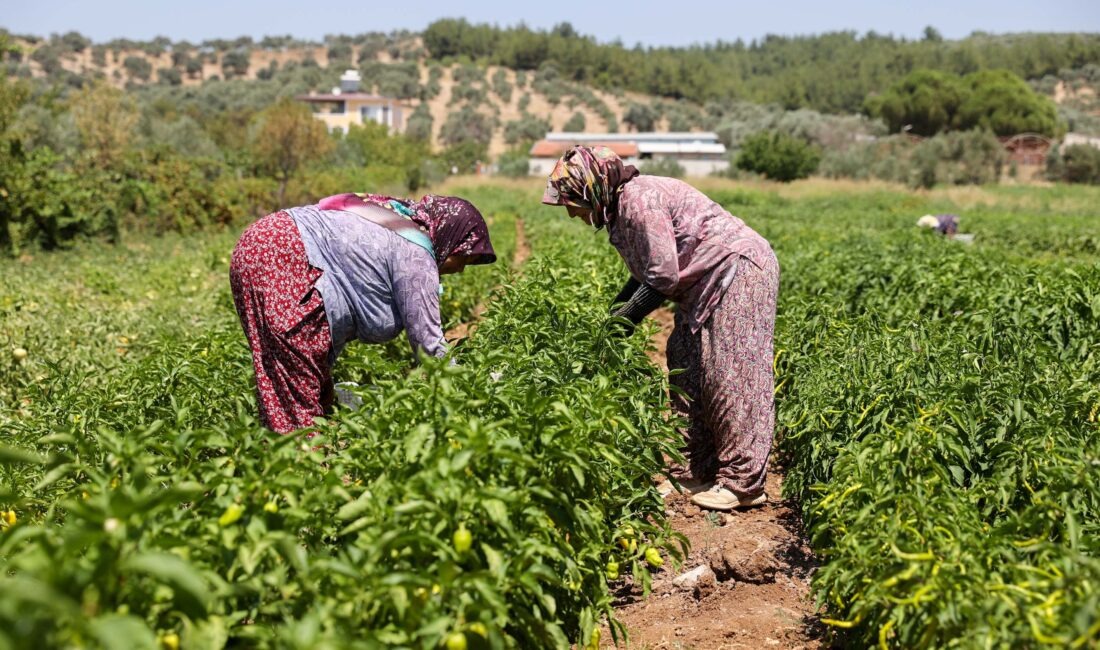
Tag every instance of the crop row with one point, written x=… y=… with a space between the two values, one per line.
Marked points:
x=938 y=409
x=480 y=503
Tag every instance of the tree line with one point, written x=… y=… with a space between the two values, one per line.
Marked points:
x=832 y=72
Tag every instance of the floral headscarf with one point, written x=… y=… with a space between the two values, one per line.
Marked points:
x=589 y=177
x=450 y=225
x=455 y=227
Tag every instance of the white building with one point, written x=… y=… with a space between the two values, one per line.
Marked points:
x=699 y=153
x=1080 y=138
x=345 y=106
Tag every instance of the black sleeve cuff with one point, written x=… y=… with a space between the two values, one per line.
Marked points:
x=641 y=304
x=626 y=292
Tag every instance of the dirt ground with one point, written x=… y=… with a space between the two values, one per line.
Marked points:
x=754 y=590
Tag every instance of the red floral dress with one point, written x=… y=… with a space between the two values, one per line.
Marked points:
x=283 y=317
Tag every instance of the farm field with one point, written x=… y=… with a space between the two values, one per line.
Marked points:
x=938 y=427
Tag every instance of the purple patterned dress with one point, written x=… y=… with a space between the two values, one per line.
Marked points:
x=725 y=278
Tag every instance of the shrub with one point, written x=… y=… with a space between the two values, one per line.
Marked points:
x=339 y=54
x=419 y=124
x=575 y=123
x=928 y=102
x=169 y=76
x=663 y=167
x=463 y=157
x=469 y=94
x=138 y=67
x=525 y=130
x=1077 y=163
x=514 y=164
x=48 y=57
x=501 y=86
x=778 y=156
x=641 y=117
x=235 y=63
x=467 y=125
x=957 y=158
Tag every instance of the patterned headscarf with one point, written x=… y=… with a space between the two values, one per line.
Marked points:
x=455 y=227
x=589 y=177
x=452 y=225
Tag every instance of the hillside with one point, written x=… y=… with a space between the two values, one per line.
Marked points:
x=530 y=101
x=514 y=94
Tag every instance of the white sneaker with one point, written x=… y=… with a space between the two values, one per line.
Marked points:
x=719 y=498
x=690 y=486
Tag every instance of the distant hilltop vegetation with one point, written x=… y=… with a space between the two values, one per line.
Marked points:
x=507 y=87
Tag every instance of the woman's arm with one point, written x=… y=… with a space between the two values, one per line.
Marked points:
x=649 y=249
x=644 y=300
x=416 y=294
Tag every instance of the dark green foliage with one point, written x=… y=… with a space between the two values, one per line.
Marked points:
x=235 y=63
x=778 y=156
x=467 y=125
x=955 y=158
x=575 y=123
x=1001 y=102
x=501 y=85
x=372 y=145
x=515 y=163
x=419 y=124
x=832 y=72
x=924 y=103
x=663 y=167
x=49 y=57
x=194 y=516
x=525 y=130
x=469 y=94
x=339 y=54
x=1076 y=163
x=138 y=67
x=641 y=117
x=74 y=42
x=468 y=74
x=949 y=485
x=400 y=80
x=928 y=102
x=464 y=157
x=433 y=87
x=169 y=76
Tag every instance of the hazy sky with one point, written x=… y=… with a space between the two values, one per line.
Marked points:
x=670 y=22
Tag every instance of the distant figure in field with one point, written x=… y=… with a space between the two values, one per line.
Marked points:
x=307 y=280
x=679 y=245
x=944 y=224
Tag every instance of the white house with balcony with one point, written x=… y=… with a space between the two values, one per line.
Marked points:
x=345 y=106
x=699 y=153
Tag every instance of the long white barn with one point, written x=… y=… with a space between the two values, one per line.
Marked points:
x=699 y=153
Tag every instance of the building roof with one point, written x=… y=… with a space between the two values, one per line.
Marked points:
x=340 y=97
x=548 y=149
x=642 y=136
x=682 y=147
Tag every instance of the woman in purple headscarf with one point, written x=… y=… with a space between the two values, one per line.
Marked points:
x=307 y=280
x=679 y=245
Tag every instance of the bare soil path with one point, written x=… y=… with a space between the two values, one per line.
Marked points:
x=754 y=591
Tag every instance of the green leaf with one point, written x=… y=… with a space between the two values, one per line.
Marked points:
x=192 y=593
x=18 y=456
x=123 y=632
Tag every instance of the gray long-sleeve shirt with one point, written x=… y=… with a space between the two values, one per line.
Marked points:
x=375 y=282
